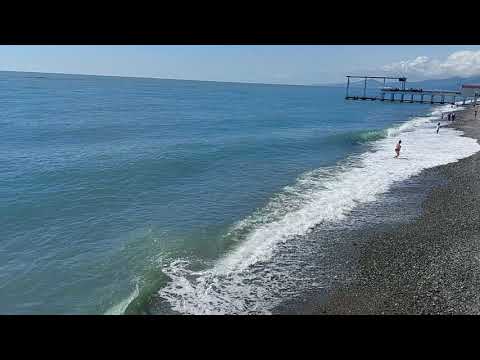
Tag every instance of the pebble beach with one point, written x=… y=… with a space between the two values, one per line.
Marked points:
x=430 y=265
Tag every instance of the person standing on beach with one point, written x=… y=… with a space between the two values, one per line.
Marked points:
x=453 y=117
x=476 y=113
x=438 y=127
x=448 y=117
x=397 y=149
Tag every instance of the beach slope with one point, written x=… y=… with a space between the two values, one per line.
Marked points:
x=430 y=266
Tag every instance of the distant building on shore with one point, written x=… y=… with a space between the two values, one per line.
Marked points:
x=471 y=90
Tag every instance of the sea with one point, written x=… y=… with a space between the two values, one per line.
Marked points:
x=149 y=196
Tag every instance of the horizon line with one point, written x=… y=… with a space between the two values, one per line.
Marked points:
x=327 y=84
x=172 y=79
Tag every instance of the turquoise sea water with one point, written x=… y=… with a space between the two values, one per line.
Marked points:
x=109 y=182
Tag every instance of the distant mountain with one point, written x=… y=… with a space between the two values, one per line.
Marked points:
x=444 y=84
x=454 y=83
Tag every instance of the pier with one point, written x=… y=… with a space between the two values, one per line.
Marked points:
x=402 y=94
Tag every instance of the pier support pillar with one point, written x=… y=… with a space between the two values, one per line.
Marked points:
x=348 y=86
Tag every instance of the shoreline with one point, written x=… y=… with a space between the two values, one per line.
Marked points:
x=428 y=266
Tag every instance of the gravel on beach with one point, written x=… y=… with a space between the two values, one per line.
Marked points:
x=430 y=265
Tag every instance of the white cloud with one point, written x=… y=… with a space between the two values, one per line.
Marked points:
x=461 y=63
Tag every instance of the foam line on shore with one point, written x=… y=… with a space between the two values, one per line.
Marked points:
x=325 y=195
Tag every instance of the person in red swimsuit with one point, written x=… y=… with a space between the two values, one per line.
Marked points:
x=397 y=148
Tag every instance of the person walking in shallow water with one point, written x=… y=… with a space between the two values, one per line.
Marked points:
x=438 y=127
x=397 y=149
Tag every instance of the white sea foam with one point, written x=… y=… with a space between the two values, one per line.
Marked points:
x=234 y=284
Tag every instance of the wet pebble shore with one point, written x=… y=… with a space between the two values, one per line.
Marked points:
x=430 y=266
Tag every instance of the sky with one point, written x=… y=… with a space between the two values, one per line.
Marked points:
x=275 y=64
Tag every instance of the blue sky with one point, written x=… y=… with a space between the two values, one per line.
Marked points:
x=267 y=64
